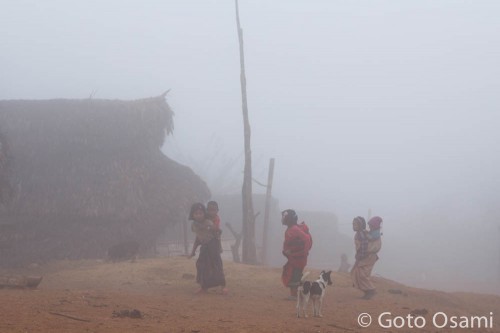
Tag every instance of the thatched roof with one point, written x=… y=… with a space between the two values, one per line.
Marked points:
x=94 y=162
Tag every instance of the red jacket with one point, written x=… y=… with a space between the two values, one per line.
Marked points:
x=296 y=248
x=297 y=242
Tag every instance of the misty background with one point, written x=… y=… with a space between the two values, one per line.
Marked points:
x=382 y=106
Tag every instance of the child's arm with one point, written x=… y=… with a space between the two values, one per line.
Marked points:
x=195 y=246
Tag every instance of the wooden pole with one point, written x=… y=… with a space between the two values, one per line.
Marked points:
x=235 y=248
x=265 y=231
x=249 y=251
x=185 y=234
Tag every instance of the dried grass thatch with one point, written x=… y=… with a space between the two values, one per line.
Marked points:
x=86 y=174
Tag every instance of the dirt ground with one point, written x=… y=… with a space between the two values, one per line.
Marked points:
x=94 y=296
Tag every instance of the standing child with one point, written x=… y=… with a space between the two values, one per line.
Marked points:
x=344 y=264
x=296 y=247
x=209 y=268
x=365 y=260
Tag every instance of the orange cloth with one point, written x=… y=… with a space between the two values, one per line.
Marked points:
x=216 y=221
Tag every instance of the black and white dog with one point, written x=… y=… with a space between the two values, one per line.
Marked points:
x=312 y=290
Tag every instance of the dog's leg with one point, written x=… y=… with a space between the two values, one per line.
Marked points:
x=320 y=306
x=317 y=304
x=304 y=308
x=299 y=296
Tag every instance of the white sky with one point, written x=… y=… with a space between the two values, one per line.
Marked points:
x=385 y=105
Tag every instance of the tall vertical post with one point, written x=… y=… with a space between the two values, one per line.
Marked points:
x=185 y=235
x=265 y=231
x=249 y=251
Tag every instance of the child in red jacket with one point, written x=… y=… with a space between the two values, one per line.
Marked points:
x=296 y=248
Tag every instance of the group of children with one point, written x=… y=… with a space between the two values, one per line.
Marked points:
x=212 y=214
x=368 y=243
x=206 y=226
x=209 y=267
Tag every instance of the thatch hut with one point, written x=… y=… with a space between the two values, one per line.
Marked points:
x=78 y=176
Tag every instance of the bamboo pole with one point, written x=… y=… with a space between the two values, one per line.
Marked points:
x=249 y=251
x=185 y=236
x=266 y=211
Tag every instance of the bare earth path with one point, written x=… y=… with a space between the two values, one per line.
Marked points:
x=90 y=296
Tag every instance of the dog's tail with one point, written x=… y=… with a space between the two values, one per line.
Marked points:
x=304 y=276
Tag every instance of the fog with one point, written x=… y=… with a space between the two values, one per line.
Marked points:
x=383 y=106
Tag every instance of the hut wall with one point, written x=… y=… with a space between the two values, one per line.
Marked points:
x=87 y=174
